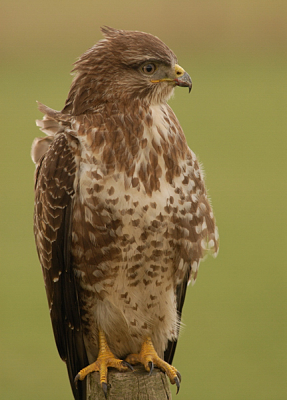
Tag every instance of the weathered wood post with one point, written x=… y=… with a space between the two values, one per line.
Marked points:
x=130 y=385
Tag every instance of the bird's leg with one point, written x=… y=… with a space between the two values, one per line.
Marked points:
x=105 y=360
x=148 y=357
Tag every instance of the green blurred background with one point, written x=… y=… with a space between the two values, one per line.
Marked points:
x=233 y=346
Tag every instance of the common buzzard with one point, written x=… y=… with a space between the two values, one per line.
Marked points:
x=122 y=218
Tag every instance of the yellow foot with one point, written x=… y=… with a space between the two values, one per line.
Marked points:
x=105 y=360
x=148 y=357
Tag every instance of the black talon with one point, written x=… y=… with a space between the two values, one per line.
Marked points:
x=177 y=382
x=105 y=389
x=179 y=375
x=150 y=364
x=126 y=364
x=77 y=377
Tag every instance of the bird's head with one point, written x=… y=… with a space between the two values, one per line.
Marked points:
x=124 y=66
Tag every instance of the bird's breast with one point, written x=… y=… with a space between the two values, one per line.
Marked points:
x=140 y=216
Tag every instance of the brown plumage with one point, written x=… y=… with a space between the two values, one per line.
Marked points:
x=122 y=217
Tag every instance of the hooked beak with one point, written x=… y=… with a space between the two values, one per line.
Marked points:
x=181 y=78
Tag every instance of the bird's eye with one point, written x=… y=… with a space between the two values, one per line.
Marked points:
x=149 y=68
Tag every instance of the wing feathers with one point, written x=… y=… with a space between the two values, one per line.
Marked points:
x=180 y=297
x=54 y=191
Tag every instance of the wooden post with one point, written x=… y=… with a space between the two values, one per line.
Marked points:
x=130 y=385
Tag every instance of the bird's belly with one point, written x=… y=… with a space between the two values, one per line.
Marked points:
x=125 y=258
x=128 y=313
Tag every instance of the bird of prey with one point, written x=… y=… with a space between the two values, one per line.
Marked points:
x=122 y=217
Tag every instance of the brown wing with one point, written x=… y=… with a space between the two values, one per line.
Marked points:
x=180 y=297
x=54 y=192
